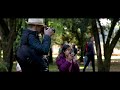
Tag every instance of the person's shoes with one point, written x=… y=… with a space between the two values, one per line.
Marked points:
x=83 y=70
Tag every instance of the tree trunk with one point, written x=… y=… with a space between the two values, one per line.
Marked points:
x=4 y=45
x=82 y=48
x=107 y=63
x=8 y=30
x=50 y=52
x=11 y=60
x=8 y=49
x=83 y=29
x=78 y=37
x=50 y=56
x=108 y=51
x=97 y=44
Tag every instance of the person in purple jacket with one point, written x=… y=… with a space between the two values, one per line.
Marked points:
x=66 y=61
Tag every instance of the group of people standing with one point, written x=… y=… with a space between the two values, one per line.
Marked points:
x=31 y=52
x=67 y=59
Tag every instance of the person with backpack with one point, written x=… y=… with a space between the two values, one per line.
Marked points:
x=30 y=54
x=90 y=54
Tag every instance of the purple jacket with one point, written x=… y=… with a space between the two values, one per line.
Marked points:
x=65 y=66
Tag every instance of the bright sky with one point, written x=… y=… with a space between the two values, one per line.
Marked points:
x=104 y=21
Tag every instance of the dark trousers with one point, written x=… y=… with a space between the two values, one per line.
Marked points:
x=92 y=59
x=30 y=66
x=30 y=61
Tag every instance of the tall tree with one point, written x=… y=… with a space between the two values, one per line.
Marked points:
x=108 y=45
x=9 y=32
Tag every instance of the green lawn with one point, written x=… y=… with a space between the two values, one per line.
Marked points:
x=115 y=66
x=14 y=67
x=53 y=68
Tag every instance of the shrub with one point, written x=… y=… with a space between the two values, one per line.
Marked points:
x=3 y=67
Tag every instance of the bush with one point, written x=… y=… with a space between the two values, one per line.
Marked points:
x=3 y=67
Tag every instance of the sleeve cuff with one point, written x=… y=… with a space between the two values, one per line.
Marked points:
x=47 y=37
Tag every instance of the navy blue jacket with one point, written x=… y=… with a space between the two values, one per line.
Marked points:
x=31 y=38
x=91 y=48
x=32 y=47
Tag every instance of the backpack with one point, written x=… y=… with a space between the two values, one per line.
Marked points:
x=23 y=48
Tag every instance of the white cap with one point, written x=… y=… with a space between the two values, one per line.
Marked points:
x=36 y=21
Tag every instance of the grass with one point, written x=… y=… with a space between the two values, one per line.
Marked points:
x=115 y=66
x=53 y=68
x=14 y=67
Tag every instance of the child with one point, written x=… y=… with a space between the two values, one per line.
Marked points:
x=65 y=60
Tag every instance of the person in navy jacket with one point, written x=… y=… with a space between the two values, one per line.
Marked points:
x=31 y=51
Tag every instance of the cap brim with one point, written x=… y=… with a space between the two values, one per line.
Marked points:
x=35 y=23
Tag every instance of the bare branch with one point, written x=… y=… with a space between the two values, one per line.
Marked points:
x=102 y=32
x=111 y=31
x=97 y=40
x=114 y=41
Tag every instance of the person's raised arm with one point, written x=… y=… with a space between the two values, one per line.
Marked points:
x=37 y=45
